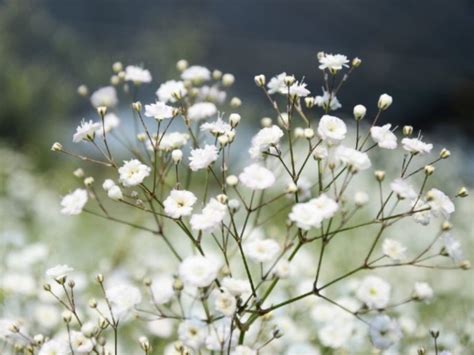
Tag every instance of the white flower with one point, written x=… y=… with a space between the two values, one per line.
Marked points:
x=210 y=217
x=384 y=102
x=224 y=302
x=297 y=89
x=374 y=292
x=123 y=298
x=393 y=249
x=236 y=287
x=211 y=93
x=171 y=89
x=355 y=159
x=243 y=350
x=282 y=269
x=310 y=214
x=74 y=202
x=80 y=343
x=453 y=248
x=108 y=184
x=403 y=189
x=324 y=206
x=217 y=127
x=59 y=271
x=133 y=172
x=416 y=146
x=170 y=141
x=201 y=158
x=137 y=75
x=192 y=333
x=115 y=193
x=201 y=110
x=111 y=121
x=326 y=100
x=264 y=139
x=384 y=332
x=359 y=112
x=86 y=131
x=384 y=137
x=179 y=203
x=159 y=111
x=276 y=83
x=54 y=347
x=162 y=288
x=106 y=96
x=261 y=250
x=361 y=198
x=196 y=74
x=440 y=204
x=422 y=291
x=333 y=62
x=336 y=333
x=198 y=271
x=332 y=129
x=257 y=177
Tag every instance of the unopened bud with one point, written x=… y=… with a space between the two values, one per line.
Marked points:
x=67 y=316
x=144 y=344
x=82 y=90
x=359 y=112
x=308 y=133
x=385 y=101
x=407 y=131
x=429 y=170
x=88 y=181
x=309 y=101
x=141 y=137
x=266 y=122
x=379 y=175
x=47 y=287
x=444 y=154
x=356 y=62
x=446 y=226
x=147 y=281
x=223 y=140
x=260 y=80
x=234 y=119
x=182 y=65
x=137 y=106
x=217 y=74
x=117 y=67
x=463 y=192
x=289 y=80
x=79 y=173
x=235 y=102
x=102 y=110
x=71 y=283
x=177 y=155
x=14 y=328
x=222 y=198
x=92 y=303
x=57 y=147
x=299 y=132
x=277 y=333
x=100 y=278
x=465 y=265
x=234 y=204
x=291 y=188
x=178 y=285
x=232 y=180
x=114 y=80
x=228 y=79
x=39 y=339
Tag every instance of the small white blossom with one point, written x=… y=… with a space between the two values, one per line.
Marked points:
x=261 y=250
x=424 y=216
x=416 y=146
x=123 y=298
x=333 y=62
x=192 y=333
x=257 y=177
x=236 y=287
x=422 y=291
x=133 y=172
x=276 y=84
x=79 y=342
x=198 y=271
x=361 y=198
x=384 y=332
x=106 y=96
x=201 y=158
x=108 y=184
x=137 y=75
x=162 y=288
x=59 y=271
x=218 y=127
x=310 y=214
x=326 y=100
x=159 y=111
x=54 y=347
x=86 y=131
x=243 y=350
x=264 y=139
x=210 y=217
x=403 y=189
x=196 y=73
x=224 y=302
x=440 y=204
x=453 y=248
x=170 y=90
x=115 y=193
x=384 y=137
x=179 y=203
x=74 y=202
x=374 y=292
x=394 y=250
x=201 y=110
x=355 y=159
x=332 y=129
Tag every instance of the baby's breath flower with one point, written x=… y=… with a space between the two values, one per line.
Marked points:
x=170 y=91
x=261 y=250
x=333 y=62
x=374 y=292
x=202 y=110
x=86 y=131
x=201 y=158
x=179 y=203
x=257 y=177
x=332 y=129
x=198 y=271
x=159 y=111
x=137 y=75
x=73 y=203
x=133 y=172
x=383 y=136
x=385 y=101
x=106 y=96
x=416 y=146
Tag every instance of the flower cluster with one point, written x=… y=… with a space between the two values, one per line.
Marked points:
x=252 y=243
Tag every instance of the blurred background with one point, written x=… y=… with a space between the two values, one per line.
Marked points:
x=422 y=55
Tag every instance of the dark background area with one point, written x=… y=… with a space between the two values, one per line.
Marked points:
x=420 y=52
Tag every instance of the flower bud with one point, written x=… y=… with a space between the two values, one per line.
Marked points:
x=147 y=281
x=379 y=175
x=121 y=76
x=289 y=80
x=114 y=80
x=235 y=102
x=320 y=55
x=232 y=180
x=308 y=133
x=177 y=155
x=228 y=79
x=230 y=135
x=385 y=101
x=299 y=132
x=102 y=325
x=82 y=90
x=234 y=119
x=361 y=198
x=359 y=112
x=141 y=137
x=67 y=316
x=14 y=328
x=102 y=110
x=277 y=333
x=100 y=278
x=39 y=339
x=222 y=198
x=356 y=62
x=178 y=285
x=223 y=140
x=115 y=193
x=309 y=101
x=444 y=154
x=266 y=122
x=137 y=106
x=182 y=65
x=429 y=170
x=89 y=329
x=216 y=74
x=71 y=283
x=47 y=287
x=144 y=344
x=407 y=131
x=291 y=188
x=446 y=226
x=465 y=264
x=57 y=147
x=117 y=67
x=260 y=80
x=283 y=119
x=92 y=303
x=234 y=204
x=463 y=192
x=88 y=181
